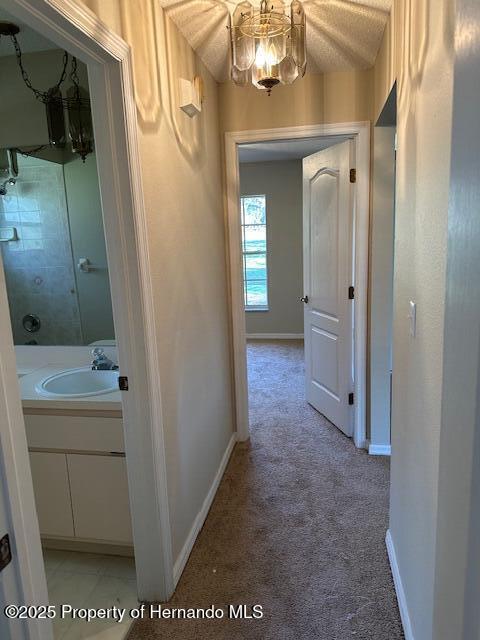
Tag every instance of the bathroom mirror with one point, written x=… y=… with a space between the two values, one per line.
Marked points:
x=52 y=240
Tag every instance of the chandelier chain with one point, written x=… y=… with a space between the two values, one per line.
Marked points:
x=74 y=74
x=76 y=103
x=39 y=95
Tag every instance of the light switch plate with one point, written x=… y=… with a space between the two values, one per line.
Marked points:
x=412 y=316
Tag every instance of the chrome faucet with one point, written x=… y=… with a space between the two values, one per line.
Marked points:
x=100 y=361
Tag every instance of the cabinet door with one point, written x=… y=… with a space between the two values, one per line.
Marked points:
x=99 y=489
x=52 y=495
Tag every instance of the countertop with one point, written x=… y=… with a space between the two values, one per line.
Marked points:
x=31 y=399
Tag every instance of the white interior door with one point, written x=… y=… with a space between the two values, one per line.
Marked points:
x=328 y=249
x=22 y=580
x=10 y=587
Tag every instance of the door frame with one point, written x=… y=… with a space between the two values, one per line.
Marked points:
x=360 y=132
x=108 y=57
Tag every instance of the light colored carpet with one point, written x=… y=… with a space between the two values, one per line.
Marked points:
x=298 y=526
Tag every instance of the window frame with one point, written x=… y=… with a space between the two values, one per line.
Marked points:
x=254 y=308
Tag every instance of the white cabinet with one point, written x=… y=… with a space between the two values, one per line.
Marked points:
x=52 y=494
x=99 y=491
x=82 y=497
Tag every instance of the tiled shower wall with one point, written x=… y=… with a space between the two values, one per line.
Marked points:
x=39 y=265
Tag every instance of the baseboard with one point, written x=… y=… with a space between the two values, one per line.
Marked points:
x=274 y=336
x=184 y=554
x=380 y=450
x=360 y=444
x=397 y=580
x=89 y=546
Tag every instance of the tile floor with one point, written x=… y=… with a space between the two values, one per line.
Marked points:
x=90 y=580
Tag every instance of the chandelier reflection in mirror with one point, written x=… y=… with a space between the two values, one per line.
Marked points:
x=76 y=103
x=268 y=45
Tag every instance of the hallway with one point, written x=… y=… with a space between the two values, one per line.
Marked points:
x=298 y=526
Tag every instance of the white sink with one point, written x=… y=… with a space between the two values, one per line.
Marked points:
x=78 y=383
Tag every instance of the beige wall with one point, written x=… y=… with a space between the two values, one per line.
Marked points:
x=281 y=182
x=424 y=53
x=457 y=596
x=183 y=195
x=315 y=99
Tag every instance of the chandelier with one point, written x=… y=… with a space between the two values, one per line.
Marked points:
x=268 y=46
x=76 y=103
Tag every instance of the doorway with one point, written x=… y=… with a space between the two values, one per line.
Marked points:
x=382 y=246
x=54 y=260
x=283 y=141
x=107 y=61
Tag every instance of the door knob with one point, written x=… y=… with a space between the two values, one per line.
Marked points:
x=304 y=299
x=84 y=265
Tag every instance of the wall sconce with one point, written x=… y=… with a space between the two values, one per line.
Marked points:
x=191 y=96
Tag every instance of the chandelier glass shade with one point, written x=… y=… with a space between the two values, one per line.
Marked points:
x=268 y=46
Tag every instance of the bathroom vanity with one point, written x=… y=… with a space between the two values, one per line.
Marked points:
x=78 y=464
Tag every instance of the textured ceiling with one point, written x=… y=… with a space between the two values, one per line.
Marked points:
x=341 y=34
x=281 y=150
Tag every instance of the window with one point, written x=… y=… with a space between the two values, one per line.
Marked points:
x=254 y=240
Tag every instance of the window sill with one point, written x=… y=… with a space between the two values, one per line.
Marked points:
x=256 y=309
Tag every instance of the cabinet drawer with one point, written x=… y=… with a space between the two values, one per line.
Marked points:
x=74 y=433
x=100 y=503
x=52 y=496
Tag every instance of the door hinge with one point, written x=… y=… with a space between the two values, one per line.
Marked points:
x=123 y=383
x=353 y=176
x=5 y=552
x=351 y=293
x=351 y=399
